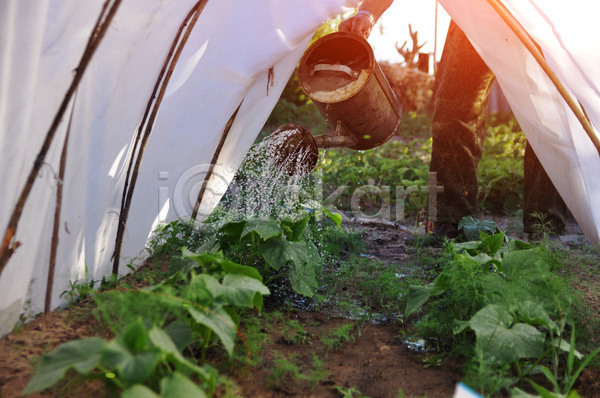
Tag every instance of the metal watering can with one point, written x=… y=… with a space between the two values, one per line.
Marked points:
x=340 y=75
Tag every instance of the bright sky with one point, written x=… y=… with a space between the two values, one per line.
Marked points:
x=393 y=27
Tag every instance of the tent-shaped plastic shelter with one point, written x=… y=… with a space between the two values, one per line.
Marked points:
x=116 y=115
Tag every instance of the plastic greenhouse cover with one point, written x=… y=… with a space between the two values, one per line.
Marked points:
x=240 y=54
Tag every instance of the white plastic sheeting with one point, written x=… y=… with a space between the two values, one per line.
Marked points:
x=226 y=61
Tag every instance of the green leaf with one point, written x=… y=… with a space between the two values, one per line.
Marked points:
x=565 y=346
x=302 y=258
x=139 y=391
x=218 y=320
x=265 y=229
x=534 y=314
x=177 y=385
x=335 y=217
x=130 y=354
x=232 y=231
x=81 y=355
x=241 y=290
x=503 y=342
x=229 y=267
x=525 y=265
x=491 y=244
x=163 y=341
x=472 y=227
x=417 y=296
x=296 y=228
x=180 y=333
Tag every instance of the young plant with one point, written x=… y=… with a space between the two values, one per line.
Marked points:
x=282 y=246
x=137 y=356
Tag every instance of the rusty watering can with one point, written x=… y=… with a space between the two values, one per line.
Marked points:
x=341 y=76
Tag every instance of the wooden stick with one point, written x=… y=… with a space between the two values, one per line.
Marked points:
x=9 y=246
x=161 y=84
x=213 y=162
x=531 y=46
x=57 y=211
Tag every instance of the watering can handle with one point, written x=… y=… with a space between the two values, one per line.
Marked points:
x=335 y=67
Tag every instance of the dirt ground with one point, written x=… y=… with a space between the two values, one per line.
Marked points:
x=374 y=361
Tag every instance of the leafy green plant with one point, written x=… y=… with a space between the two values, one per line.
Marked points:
x=287 y=367
x=564 y=388
x=350 y=392
x=506 y=293
x=294 y=333
x=195 y=306
x=334 y=339
x=282 y=246
x=80 y=290
x=169 y=238
x=134 y=357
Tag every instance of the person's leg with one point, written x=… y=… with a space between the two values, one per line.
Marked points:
x=463 y=84
x=543 y=204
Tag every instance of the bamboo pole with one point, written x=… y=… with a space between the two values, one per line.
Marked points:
x=532 y=47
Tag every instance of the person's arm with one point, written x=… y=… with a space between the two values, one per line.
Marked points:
x=368 y=13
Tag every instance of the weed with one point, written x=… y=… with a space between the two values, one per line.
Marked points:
x=294 y=333
x=287 y=367
x=351 y=392
x=334 y=338
x=507 y=294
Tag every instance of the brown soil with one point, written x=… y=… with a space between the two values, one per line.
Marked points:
x=374 y=361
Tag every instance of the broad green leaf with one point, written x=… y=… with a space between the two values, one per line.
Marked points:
x=518 y=393
x=503 y=342
x=218 y=320
x=206 y=287
x=180 y=333
x=417 y=296
x=465 y=263
x=163 y=341
x=491 y=244
x=296 y=228
x=229 y=267
x=303 y=277
x=241 y=290
x=178 y=263
x=494 y=287
x=139 y=391
x=232 y=231
x=131 y=367
x=177 y=385
x=265 y=229
x=472 y=227
x=335 y=217
x=302 y=258
x=130 y=353
x=534 y=314
x=81 y=355
x=469 y=246
x=460 y=326
x=525 y=264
